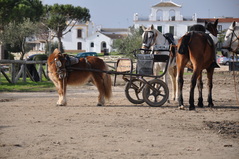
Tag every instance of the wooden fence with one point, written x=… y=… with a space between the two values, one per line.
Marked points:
x=15 y=74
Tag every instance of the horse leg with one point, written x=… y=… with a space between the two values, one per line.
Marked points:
x=172 y=73
x=61 y=93
x=181 y=63
x=210 y=85
x=180 y=82
x=192 y=88
x=200 y=87
x=98 y=81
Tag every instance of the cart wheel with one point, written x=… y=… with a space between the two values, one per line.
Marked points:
x=156 y=93
x=133 y=91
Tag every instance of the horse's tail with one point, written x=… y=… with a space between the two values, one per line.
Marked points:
x=183 y=48
x=107 y=84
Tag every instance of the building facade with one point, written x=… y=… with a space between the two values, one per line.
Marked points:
x=90 y=38
x=167 y=18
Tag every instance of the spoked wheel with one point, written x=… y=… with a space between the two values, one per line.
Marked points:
x=133 y=91
x=156 y=93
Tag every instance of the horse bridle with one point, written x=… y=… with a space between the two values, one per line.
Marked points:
x=229 y=48
x=60 y=69
x=146 y=39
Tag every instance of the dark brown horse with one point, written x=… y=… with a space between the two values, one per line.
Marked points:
x=62 y=76
x=207 y=28
x=198 y=49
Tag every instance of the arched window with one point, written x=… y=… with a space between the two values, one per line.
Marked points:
x=92 y=44
x=172 y=15
x=104 y=44
x=159 y=16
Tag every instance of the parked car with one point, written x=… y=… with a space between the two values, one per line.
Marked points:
x=85 y=54
x=37 y=57
x=223 y=60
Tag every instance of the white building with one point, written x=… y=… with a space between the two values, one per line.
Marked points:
x=166 y=17
x=90 y=38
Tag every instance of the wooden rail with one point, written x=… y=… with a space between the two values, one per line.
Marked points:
x=23 y=71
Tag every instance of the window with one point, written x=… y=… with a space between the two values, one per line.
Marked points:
x=160 y=28
x=79 y=46
x=79 y=33
x=104 y=45
x=92 y=44
x=219 y=28
x=171 y=29
x=189 y=28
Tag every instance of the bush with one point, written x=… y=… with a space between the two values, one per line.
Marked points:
x=130 y=43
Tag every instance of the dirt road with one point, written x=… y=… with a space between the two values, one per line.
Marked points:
x=32 y=127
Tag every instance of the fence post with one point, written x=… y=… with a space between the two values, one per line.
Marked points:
x=13 y=72
x=40 y=71
x=24 y=77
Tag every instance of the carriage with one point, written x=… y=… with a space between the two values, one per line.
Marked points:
x=141 y=85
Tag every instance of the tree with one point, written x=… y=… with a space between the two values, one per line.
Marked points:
x=13 y=14
x=128 y=44
x=19 y=10
x=62 y=18
x=15 y=34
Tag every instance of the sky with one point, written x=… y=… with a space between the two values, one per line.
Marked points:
x=119 y=13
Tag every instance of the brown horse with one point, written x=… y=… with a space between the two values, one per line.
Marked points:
x=198 y=49
x=62 y=76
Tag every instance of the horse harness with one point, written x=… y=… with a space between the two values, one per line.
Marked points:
x=63 y=70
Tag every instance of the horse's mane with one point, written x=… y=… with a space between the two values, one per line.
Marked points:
x=169 y=37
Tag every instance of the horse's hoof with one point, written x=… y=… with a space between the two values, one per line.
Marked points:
x=60 y=105
x=200 y=105
x=181 y=107
x=99 y=105
x=191 y=107
x=210 y=105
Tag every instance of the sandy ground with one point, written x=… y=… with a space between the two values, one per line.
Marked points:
x=33 y=127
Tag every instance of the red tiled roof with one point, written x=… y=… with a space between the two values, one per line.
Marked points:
x=220 y=20
x=114 y=30
x=167 y=4
x=116 y=36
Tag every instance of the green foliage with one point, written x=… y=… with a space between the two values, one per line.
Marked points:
x=29 y=86
x=221 y=36
x=15 y=34
x=130 y=43
x=19 y=10
x=52 y=45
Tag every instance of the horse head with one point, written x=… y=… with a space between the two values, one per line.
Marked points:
x=231 y=40
x=151 y=37
x=57 y=63
x=212 y=27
